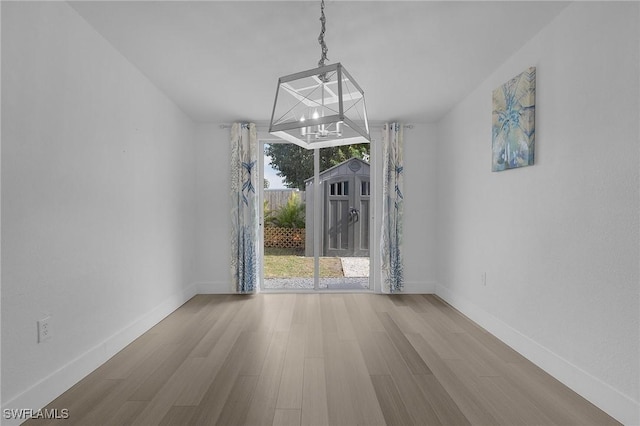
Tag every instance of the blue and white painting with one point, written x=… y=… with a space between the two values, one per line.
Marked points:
x=514 y=106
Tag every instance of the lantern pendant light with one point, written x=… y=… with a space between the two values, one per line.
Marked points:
x=320 y=107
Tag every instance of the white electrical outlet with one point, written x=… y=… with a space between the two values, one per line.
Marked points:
x=44 y=330
x=484 y=278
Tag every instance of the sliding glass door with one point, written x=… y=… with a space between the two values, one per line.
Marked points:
x=315 y=219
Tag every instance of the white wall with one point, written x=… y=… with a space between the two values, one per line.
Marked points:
x=419 y=236
x=98 y=203
x=213 y=221
x=559 y=240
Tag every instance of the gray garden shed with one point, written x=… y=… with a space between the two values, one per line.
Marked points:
x=346 y=193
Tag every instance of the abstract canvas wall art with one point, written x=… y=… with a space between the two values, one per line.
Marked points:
x=514 y=105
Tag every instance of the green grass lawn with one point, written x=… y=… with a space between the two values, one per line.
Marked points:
x=281 y=263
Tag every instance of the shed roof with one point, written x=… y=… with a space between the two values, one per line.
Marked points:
x=354 y=160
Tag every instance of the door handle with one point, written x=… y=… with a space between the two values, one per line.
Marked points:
x=354 y=215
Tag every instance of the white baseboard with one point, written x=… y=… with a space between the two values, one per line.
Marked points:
x=58 y=382
x=211 y=287
x=413 y=287
x=422 y=287
x=602 y=395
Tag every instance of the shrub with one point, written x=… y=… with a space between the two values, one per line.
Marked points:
x=291 y=215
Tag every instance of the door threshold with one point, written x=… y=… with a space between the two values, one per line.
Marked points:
x=312 y=291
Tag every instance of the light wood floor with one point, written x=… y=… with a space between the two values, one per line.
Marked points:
x=321 y=359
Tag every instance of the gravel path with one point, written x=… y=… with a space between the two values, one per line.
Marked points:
x=359 y=283
x=355 y=266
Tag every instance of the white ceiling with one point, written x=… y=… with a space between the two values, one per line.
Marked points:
x=220 y=60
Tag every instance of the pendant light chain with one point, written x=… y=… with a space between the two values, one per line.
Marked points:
x=323 y=45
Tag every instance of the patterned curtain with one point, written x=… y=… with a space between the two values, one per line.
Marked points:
x=244 y=211
x=392 y=199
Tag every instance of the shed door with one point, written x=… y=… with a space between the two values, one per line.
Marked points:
x=347 y=216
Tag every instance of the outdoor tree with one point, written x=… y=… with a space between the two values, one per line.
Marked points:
x=295 y=164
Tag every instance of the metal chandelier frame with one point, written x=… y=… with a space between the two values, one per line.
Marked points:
x=320 y=107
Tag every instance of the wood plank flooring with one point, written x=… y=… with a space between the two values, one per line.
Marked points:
x=320 y=359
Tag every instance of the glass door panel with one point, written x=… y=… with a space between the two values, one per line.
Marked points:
x=287 y=264
x=344 y=226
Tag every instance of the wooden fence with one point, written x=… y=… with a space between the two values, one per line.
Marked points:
x=284 y=237
x=277 y=198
